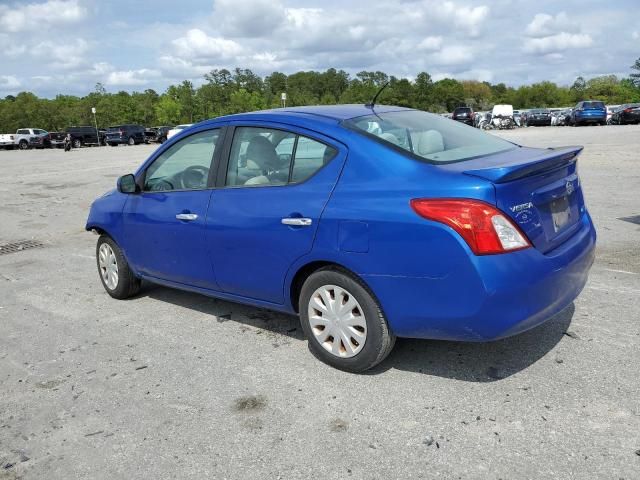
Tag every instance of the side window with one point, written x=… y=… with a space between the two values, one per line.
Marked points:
x=185 y=165
x=260 y=156
x=310 y=157
x=23 y=132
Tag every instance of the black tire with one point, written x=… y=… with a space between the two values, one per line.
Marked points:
x=131 y=141
x=77 y=143
x=23 y=145
x=379 y=339
x=128 y=284
x=113 y=144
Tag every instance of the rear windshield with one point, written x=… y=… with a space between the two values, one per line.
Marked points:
x=462 y=110
x=593 y=105
x=428 y=136
x=114 y=129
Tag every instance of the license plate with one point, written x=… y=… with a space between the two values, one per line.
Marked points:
x=560 y=212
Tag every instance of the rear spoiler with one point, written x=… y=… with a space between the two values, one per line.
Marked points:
x=547 y=160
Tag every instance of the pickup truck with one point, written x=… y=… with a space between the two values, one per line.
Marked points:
x=7 y=141
x=25 y=138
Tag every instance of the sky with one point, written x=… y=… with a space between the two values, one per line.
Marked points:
x=67 y=46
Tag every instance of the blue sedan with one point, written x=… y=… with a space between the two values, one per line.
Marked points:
x=370 y=223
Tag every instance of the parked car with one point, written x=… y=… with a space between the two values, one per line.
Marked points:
x=162 y=132
x=22 y=139
x=128 y=134
x=288 y=224
x=8 y=141
x=150 y=134
x=57 y=139
x=177 y=129
x=502 y=117
x=464 y=115
x=538 y=117
x=85 y=135
x=39 y=141
x=625 y=114
x=589 y=111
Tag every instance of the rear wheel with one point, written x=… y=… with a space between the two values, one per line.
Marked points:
x=131 y=141
x=343 y=321
x=77 y=143
x=116 y=276
x=23 y=145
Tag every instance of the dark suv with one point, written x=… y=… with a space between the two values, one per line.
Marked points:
x=84 y=135
x=129 y=134
x=464 y=115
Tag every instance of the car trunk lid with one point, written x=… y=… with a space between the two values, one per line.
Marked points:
x=538 y=189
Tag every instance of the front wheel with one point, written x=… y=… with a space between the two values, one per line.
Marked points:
x=77 y=143
x=115 y=274
x=23 y=145
x=343 y=321
x=131 y=141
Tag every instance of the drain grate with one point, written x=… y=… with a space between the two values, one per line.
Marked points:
x=19 y=246
x=634 y=219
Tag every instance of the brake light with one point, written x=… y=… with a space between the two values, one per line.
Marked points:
x=486 y=229
x=627 y=110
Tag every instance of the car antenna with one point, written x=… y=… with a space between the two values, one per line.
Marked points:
x=372 y=103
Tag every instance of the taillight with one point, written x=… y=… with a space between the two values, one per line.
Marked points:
x=627 y=110
x=485 y=228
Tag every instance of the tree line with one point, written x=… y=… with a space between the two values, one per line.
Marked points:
x=240 y=90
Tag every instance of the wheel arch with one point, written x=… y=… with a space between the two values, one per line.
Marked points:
x=304 y=271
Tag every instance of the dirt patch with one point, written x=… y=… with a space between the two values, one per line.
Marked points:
x=250 y=403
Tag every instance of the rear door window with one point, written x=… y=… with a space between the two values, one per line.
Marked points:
x=265 y=156
x=593 y=105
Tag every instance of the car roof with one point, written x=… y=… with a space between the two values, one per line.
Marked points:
x=333 y=112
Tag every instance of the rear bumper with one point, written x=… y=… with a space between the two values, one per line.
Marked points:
x=495 y=297
x=468 y=121
x=591 y=117
x=117 y=140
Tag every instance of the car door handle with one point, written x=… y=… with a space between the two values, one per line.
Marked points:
x=188 y=217
x=297 y=221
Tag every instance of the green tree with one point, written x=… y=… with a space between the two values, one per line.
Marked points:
x=635 y=76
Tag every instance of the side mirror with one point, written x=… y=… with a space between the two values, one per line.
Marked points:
x=127 y=184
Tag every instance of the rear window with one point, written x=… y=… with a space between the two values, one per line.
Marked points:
x=427 y=136
x=462 y=110
x=593 y=105
x=114 y=129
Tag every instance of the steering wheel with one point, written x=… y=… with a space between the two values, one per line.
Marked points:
x=161 y=185
x=194 y=176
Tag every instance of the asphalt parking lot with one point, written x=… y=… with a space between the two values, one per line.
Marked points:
x=176 y=385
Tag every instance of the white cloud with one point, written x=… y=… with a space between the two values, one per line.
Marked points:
x=545 y=25
x=452 y=55
x=8 y=82
x=197 y=44
x=430 y=43
x=557 y=43
x=469 y=18
x=131 y=78
x=635 y=35
x=36 y=16
x=253 y=18
x=63 y=55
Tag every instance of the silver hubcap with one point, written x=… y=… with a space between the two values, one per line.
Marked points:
x=108 y=266
x=337 y=321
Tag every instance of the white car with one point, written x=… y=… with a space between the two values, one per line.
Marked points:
x=177 y=129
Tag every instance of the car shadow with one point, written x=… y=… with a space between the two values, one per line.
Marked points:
x=478 y=362
x=224 y=311
x=466 y=361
